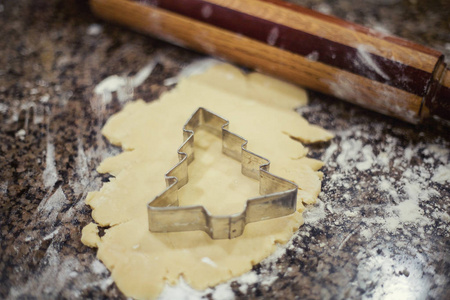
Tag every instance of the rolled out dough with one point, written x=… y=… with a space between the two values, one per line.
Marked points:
x=260 y=109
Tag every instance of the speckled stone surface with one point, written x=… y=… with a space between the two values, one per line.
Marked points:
x=379 y=231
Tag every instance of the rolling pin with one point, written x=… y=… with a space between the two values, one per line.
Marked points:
x=320 y=52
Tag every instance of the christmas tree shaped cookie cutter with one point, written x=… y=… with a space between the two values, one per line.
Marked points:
x=278 y=196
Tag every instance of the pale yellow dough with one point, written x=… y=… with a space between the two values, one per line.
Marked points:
x=260 y=109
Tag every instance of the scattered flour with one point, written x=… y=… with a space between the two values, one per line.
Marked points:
x=442 y=174
x=246 y=280
x=405 y=212
x=438 y=152
x=123 y=85
x=366 y=233
x=51 y=206
x=98 y=268
x=197 y=67
x=323 y=8
x=364 y=55
x=51 y=235
x=368 y=159
x=3 y=108
x=21 y=134
x=353 y=154
x=393 y=278
x=267 y=276
x=209 y=261
x=82 y=170
x=223 y=292
x=385 y=185
x=181 y=291
x=314 y=214
x=207 y=11
x=313 y=56
x=391 y=212
x=273 y=36
x=402 y=201
x=50 y=175
x=94 y=29
x=329 y=152
x=51 y=282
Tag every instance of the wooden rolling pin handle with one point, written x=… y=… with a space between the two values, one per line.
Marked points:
x=323 y=53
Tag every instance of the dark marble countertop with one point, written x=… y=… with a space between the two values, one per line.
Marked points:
x=381 y=227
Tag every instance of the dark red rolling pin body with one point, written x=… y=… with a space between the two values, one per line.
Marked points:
x=323 y=53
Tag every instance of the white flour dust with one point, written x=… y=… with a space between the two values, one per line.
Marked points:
x=194 y=68
x=94 y=29
x=314 y=214
x=51 y=206
x=268 y=275
x=123 y=85
x=384 y=198
x=364 y=55
x=407 y=198
x=52 y=281
x=273 y=36
x=50 y=174
x=442 y=174
x=83 y=174
x=209 y=261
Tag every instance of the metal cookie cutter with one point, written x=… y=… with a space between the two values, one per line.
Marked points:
x=278 y=196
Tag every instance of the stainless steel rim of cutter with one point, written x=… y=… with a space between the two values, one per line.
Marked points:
x=278 y=196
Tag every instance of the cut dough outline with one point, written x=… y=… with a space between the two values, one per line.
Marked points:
x=278 y=195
